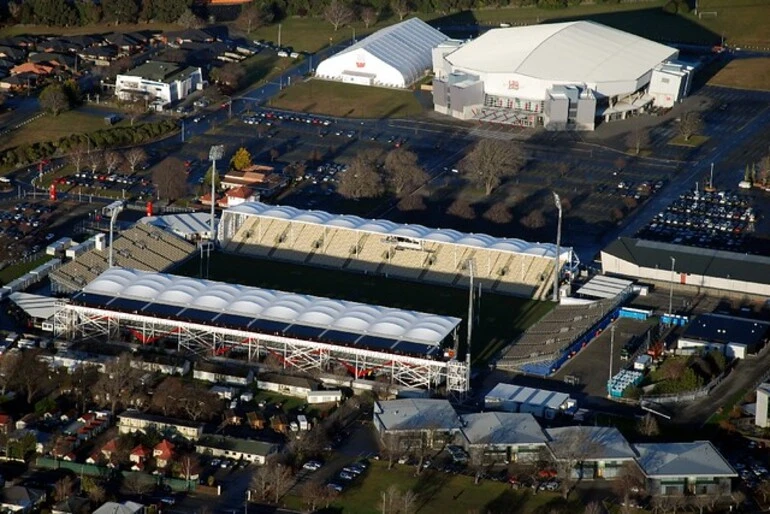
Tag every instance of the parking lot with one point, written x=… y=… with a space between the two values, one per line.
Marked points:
x=720 y=220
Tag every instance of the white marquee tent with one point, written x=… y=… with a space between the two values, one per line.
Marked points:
x=395 y=56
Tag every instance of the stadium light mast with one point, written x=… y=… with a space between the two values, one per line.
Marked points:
x=112 y=210
x=470 y=313
x=557 y=202
x=215 y=153
x=671 y=289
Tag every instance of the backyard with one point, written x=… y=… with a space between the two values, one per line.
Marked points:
x=347 y=100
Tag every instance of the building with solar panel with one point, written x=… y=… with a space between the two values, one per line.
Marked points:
x=415 y=349
x=381 y=247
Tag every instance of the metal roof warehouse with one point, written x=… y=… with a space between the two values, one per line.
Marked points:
x=268 y=311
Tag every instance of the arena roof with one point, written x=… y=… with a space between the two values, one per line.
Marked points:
x=254 y=309
x=390 y=228
x=406 y=46
x=577 y=51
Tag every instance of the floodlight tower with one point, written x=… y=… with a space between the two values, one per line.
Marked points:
x=557 y=202
x=215 y=153
x=112 y=210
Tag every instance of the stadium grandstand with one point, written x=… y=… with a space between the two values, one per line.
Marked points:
x=304 y=332
x=142 y=247
x=559 y=336
x=412 y=252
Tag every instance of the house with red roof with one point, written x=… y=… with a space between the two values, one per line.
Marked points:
x=6 y=424
x=238 y=195
x=140 y=454
x=163 y=453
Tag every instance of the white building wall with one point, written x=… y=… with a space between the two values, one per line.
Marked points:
x=761 y=415
x=361 y=61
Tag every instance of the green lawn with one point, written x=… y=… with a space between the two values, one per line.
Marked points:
x=440 y=493
x=742 y=23
x=15 y=271
x=744 y=74
x=51 y=128
x=347 y=100
x=102 y=28
x=501 y=318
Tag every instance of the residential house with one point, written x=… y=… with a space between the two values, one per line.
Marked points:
x=36 y=69
x=261 y=179
x=88 y=425
x=695 y=468
x=72 y=359
x=135 y=421
x=139 y=456
x=72 y=505
x=162 y=363
x=6 y=424
x=121 y=508
x=416 y=422
x=190 y=36
x=126 y=44
x=288 y=385
x=18 y=83
x=232 y=418
x=99 y=55
x=163 y=82
x=595 y=452
x=324 y=396
x=109 y=448
x=163 y=453
x=13 y=54
x=59 y=45
x=20 y=499
x=222 y=392
x=223 y=373
x=502 y=437
x=280 y=423
x=255 y=452
x=256 y=420
x=238 y=195
x=61 y=61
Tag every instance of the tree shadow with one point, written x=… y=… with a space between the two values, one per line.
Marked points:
x=507 y=502
x=429 y=484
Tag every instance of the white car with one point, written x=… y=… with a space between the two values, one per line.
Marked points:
x=312 y=465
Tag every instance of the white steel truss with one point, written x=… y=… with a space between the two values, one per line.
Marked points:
x=77 y=321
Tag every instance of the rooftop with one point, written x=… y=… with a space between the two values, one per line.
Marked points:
x=416 y=414
x=692 y=260
x=290 y=380
x=223 y=368
x=236 y=444
x=520 y=394
x=592 y=443
x=390 y=228
x=718 y=328
x=160 y=420
x=699 y=458
x=160 y=71
x=502 y=428
x=267 y=310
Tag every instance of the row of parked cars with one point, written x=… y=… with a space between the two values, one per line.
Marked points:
x=347 y=475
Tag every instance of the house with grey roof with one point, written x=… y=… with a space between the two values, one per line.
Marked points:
x=235 y=448
x=695 y=468
x=503 y=437
x=538 y=402
x=595 y=452
x=289 y=385
x=417 y=422
x=161 y=82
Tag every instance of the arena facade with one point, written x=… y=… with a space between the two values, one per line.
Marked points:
x=412 y=252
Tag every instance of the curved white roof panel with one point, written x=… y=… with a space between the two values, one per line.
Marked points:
x=254 y=303
x=446 y=236
x=577 y=51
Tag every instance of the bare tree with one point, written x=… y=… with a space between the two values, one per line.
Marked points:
x=96 y=494
x=308 y=443
x=281 y=478
x=390 y=500
x=134 y=157
x=413 y=202
x=498 y=213
x=170 y=179
x=167 y=396
x=80 y=381
x=312 y=494
x=95 y=159
x=638 y=139
x=408 y=502
x=700 y=502
x=137 y=484
x=369 y=16
x=134 y=106
x=763 y=489
x=30 y=374
x=197 y=403
x=490 y=161
x=189 y=466
x=112 y=161
x=404 y=174
x=8 y=365
x=629 y=483
x=119 y=383
x=594 y=508
x=462 y=209
x=361 y=179
x=648 y=425
x=534 y=220
x=690 y=124
x=571 y=448
x=391 y=446
x=401 y=8
x=260 y=482
x=338 y=14
x=476 y=461
x=53 y=99
x=253 y=16
x=63 y=488
x=77 y=156
x=230 y=74
x=189 y=20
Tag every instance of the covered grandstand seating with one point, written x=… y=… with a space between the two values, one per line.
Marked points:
x=142 y=247
x=415 y=252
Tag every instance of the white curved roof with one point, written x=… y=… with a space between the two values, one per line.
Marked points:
x=289 y=308
x=577 y=51
x=406 y=46
x=421 y=232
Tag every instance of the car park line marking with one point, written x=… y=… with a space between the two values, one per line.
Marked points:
x=760 y=113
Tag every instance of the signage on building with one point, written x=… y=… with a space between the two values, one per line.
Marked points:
x=360 y=61
x=513 y=84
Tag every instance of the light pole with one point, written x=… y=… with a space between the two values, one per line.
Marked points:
x=612 y=349
x=112 y=210
x=215 y=153
x=183 y=130
x=354 y=34
x=557 y=273
x=671 y=289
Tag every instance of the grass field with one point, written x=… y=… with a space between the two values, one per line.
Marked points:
x=441 y=493
x=500 y=317
x=50 y=128
x=694 y=142
x=347 y=100
x=741 y=22
x=744 y=74
x=16 y=270
x=102 y=28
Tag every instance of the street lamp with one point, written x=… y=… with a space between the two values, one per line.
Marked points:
x=112 y=210
x=556 y=276
x=229 y=106
x=215 y=153
x=671 y=289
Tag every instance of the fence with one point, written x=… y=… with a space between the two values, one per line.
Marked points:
x=687 y=396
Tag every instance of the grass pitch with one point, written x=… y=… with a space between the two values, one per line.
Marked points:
x=500 y=318
x=745 y=74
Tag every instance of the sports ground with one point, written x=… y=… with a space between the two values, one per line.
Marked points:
x=498 y=318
